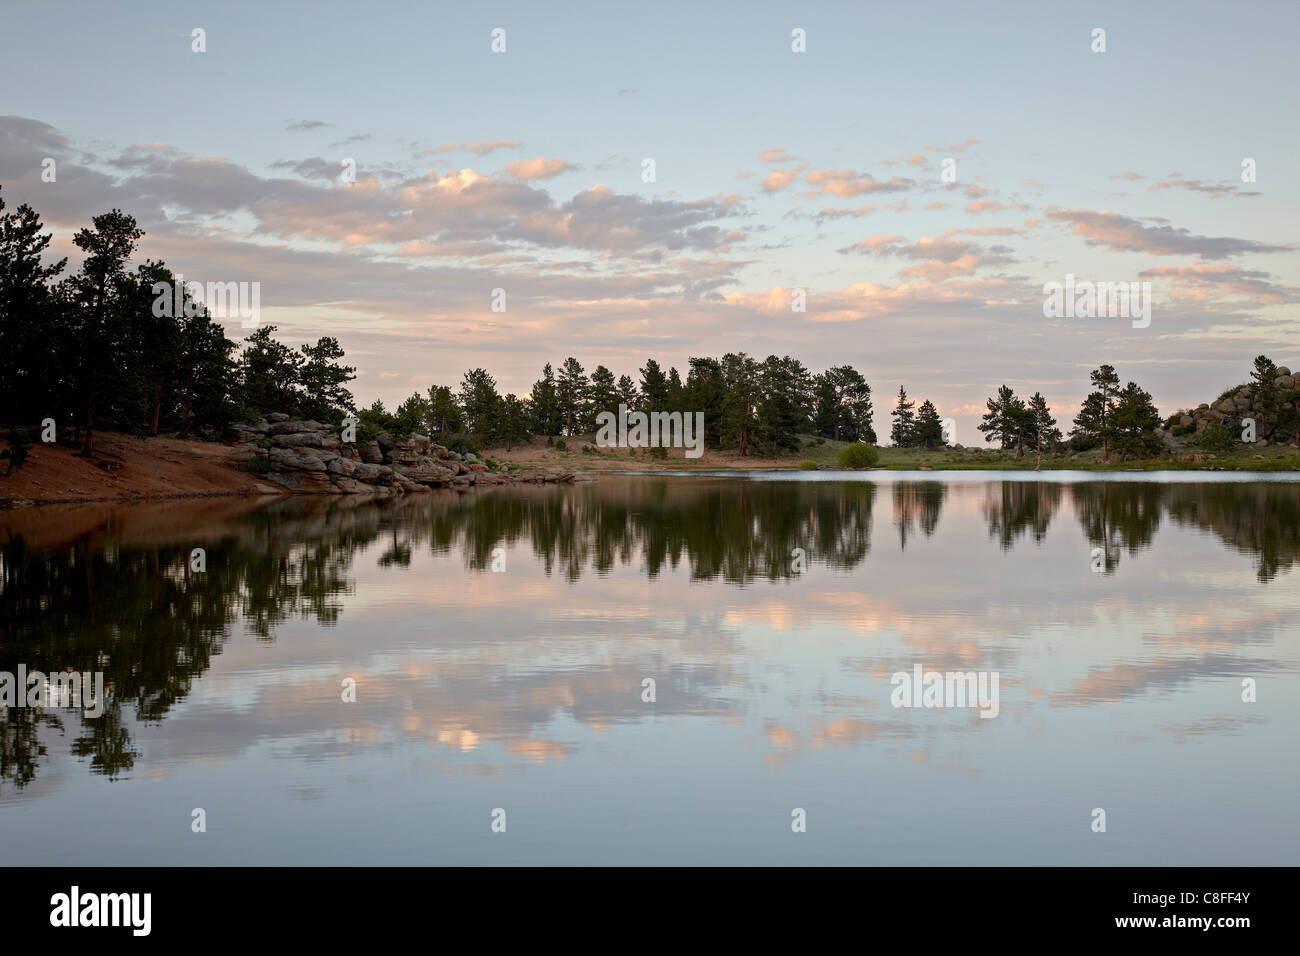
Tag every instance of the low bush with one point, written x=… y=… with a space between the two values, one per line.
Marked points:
x=860 y=455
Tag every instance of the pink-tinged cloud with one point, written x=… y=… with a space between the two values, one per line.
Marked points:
x=1206 y=282
x=917 y=159
x=845 y=183
x=478 y=148
x=1126 y=234
x=777 y=156
x=779 y=179
x=954 y=148
x=937 y=259
x=539 y=168
x=992 y=205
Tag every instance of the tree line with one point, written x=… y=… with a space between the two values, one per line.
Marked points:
x=750 y=405
x=94 y=349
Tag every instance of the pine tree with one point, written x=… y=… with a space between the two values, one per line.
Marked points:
x=1045 y=430
x=571 y=394
x=903 y=431
x=928 y=431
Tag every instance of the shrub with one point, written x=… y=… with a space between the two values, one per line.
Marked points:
x=561 y=445
x=659 y=452
x=859 y=455
x=259 y=465
x=20 y=443
x=1181 y=430
x=807 y=466
x=1219 y=439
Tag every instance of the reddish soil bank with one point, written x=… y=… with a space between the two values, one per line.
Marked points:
x=141 y=468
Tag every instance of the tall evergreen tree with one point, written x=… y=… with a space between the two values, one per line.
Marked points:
x=102 y=324
x=928 y=430
x=902 y=432
x=654 y=388
x=1044 y=427
x=544 y=406
x=571 y=394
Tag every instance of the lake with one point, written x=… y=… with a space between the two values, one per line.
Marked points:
x=662 y=670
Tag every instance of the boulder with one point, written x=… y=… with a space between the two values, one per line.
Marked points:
x=421 y=443
x=1243 y=404
x=1285 y=381
x=1227 y=406
x=305 y=440
x=304 y=483
x=289 y=428
x=297 y=459
x=1283 y=370
x=277 y=417
x=372 y=453
x=478 y=467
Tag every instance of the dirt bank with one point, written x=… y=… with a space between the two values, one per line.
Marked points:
x=141 y=468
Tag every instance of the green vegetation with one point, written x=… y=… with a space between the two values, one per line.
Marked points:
x=859 y=455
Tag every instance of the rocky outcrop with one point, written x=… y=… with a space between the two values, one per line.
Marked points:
x=310 y=458
x=1276 y=425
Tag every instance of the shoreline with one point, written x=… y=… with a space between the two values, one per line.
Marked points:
x=168 y=469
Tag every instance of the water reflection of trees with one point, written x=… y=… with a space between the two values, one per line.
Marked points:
x=1013 y=507
x=917 y=505
x=110 y=589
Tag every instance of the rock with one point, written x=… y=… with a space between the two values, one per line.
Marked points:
x=385 y=441
x=1284 y=381
x=289 y=428
x=1243 y=404
x=439 y=451
x=372 y=453
x=422 y=443
x=1283 y=370
x=277 y=417
x=296 y=459
x=1227 y=406
x=304 y=483
x=305 y=440
x=478 y=466
x=425 y=473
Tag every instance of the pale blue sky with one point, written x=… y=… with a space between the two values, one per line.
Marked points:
x=1183 y=88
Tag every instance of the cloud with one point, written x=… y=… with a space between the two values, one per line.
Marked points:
x=1214 y=190
x=777 y=156
x=477 y=148
x=955 y=147
x=1210 y=282
x=539 y=168
x=303 y=126
x=779 y=179
x=993 y=205
x=845 y=183
x=1125 y=234
x=938 y=258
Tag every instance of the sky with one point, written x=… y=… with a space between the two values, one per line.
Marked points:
x=773 y=171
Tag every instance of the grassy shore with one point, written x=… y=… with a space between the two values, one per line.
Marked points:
x=824 y=453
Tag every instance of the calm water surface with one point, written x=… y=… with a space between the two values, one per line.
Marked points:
x=521 y=688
